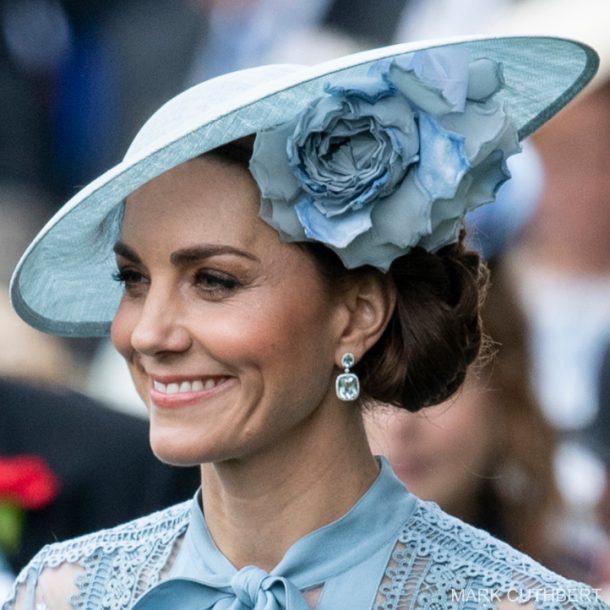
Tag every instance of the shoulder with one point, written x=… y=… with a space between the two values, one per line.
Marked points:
x=70 y=569
x=161 y=525
x=461 y=564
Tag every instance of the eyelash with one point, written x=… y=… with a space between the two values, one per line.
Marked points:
x=221 y=283
x=127 y=276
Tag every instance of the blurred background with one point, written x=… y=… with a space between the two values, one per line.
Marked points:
x=79 y=77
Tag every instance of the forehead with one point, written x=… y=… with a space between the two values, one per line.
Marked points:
x=202 y=199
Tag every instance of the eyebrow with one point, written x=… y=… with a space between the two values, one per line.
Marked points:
x=197 y=253
x=186 y=256
x=122 y=249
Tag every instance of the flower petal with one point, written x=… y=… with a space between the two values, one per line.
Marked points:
x=336 y=231
x=485 y=127
x=315 y=118
x=485 y=180
x=390 y=160
x=269 y=165
x=369 y=88
x=445 y=232
x=283 y=219
x=485 y=77
x=403 y=217
x=369 y=249
x=443 y=161
x=436 y=81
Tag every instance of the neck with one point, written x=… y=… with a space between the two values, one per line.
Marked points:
x=256 y=508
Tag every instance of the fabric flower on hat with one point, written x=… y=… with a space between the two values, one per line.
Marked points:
x=389 y=160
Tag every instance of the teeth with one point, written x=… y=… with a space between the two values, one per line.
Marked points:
x=186 y=386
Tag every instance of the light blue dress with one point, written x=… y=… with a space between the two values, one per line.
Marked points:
x=390 y=551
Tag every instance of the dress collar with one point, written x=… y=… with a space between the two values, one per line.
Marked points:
x=372 y=523
x=368 y=525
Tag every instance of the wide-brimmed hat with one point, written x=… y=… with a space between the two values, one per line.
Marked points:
x=585 y=20
x=64 y=282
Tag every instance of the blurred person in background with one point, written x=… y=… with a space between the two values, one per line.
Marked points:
x=562 y=263
x=560 y=266
x=487 y=455
x=29 y=354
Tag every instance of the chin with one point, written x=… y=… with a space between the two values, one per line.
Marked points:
x=180 y=450
x=176 y=451
x=175 y=458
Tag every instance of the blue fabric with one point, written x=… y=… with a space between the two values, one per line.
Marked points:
x=390 y=551
x=203 y=578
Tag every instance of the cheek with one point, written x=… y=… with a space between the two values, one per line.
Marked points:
x=269 y=341
x=279 y=326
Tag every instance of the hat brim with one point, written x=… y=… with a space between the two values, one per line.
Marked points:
x=586 y=20
x=64 y=282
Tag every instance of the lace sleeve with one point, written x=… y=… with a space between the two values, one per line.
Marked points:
x=107 y=569
x=440 y=563
x=38 y=588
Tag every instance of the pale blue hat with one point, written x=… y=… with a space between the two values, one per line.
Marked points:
x=64 y=282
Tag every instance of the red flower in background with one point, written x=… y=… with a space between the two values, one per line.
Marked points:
x=26 y=483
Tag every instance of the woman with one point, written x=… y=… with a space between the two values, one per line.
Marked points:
x=253 y=340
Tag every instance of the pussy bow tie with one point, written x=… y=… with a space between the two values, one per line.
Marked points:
x=249 y=589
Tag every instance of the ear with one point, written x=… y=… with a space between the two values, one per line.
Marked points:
x=369 y=303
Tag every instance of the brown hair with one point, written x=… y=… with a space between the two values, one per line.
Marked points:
x=434 y=332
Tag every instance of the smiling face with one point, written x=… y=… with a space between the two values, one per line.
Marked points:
x=230 y=335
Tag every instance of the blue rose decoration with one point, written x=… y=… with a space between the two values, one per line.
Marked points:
x=388 y=160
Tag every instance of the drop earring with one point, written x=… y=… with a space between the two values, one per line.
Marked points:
x=347 y=385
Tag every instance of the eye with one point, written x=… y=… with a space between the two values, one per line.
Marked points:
x=215 y=282
x=131 y=278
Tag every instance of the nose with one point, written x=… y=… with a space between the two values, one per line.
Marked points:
x=160 y=327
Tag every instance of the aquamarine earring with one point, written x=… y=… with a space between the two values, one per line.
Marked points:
x=347 y=385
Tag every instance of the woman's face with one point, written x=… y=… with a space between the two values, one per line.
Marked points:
x=441 y=453
x=229 y=334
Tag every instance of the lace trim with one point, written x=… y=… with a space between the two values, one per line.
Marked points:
x=440 y=563
x=119 y=564
x=437 y=563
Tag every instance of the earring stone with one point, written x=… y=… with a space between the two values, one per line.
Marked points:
x=347 y=385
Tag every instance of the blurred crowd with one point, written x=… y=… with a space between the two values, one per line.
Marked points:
x=522 y=450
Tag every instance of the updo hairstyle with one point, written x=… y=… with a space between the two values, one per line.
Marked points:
x=435 y=331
